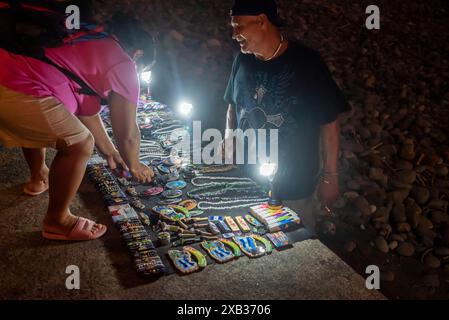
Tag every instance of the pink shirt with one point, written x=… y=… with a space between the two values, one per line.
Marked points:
x=102 y=64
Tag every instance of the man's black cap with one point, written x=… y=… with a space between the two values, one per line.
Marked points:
x=256 y=7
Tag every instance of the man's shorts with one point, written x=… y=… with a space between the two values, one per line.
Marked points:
x=30 y=122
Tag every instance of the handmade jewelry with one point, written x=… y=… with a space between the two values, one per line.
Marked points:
x=180 y=209
x=168 y=213
x=182 y=242
x=231 y=223
x=135 y=202
x=182 y=261
x=217 y=192
x=172 y=161
x=200 y=258
x=195 y=213
x=123 y=181
x=164 y=238
x=265 y=242
x=249 y=246
x=145 y=220
x=214 y=178
x=153 y=191
x=217 y=251
x=242 y=224
x=188 y=204
x=170 y=194
x=279 y=239
x=165 y=202
x=131 y=191
x=235 y=248
x=217 y=168
x=176 y=185
x=213 y=228
x=228 y=205
x=165 y=169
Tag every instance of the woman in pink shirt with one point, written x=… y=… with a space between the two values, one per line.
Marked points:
x=40 y=107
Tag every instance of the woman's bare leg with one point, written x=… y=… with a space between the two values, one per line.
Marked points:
x=66 y=174
x=38 y=170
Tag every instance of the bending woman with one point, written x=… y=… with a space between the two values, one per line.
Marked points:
x=41 y=108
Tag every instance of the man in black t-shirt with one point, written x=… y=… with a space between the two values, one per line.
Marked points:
x=283 y=85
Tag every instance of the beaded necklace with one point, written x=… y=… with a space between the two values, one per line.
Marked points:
x=168 y=129
x=216 y=190
x=214 y=178
x=231 y=204
x=217 y=168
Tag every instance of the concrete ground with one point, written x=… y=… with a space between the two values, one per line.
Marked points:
x=34 y=268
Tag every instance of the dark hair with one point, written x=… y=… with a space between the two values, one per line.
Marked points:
x=132 y=37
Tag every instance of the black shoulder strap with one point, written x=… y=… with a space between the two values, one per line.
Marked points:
x=84 y=88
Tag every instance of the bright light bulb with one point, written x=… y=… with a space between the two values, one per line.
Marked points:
x=185 y=108
x=146 y=76
x=268 y=169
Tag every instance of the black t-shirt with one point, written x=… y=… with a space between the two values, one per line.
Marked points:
x=296 y=94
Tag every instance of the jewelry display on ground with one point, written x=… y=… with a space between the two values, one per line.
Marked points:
x=189 y=221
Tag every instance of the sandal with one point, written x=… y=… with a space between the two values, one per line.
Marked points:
x=81 y=231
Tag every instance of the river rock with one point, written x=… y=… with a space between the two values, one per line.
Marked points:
x=381 y=215
x=438 y=217
x=404 y=165
x=408 y=151
x=403 y=227
x=387 y=275
x=398 y=213
x=406 y=249
x=441 y=170
x=437 y=204
x=444 y=231
x=352 y=146
x=353 y=185
x=393 y=245
x=442 y=251
x=350 y=246
x=397 y=237
x=431 y=261
x=441 y=183
x=424 y=222
x=431 y=280
x=377 y=174
x=351 y=195
x=406 y=176
x=381 y=244
x=399 y=195
x=413 y=215
x=363 y=206
x=340 y=203
x=420 y=194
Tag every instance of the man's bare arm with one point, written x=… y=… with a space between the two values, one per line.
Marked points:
x=330 y=143
x=230 y=118
x=328 y=189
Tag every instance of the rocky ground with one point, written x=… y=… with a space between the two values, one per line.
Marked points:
x=395 y=148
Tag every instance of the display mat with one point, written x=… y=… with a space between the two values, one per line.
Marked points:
x=296 y=234
x=152 y=117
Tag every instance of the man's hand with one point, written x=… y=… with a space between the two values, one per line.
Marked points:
x=115 y=160
x=142 y=173
x=328 y=190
